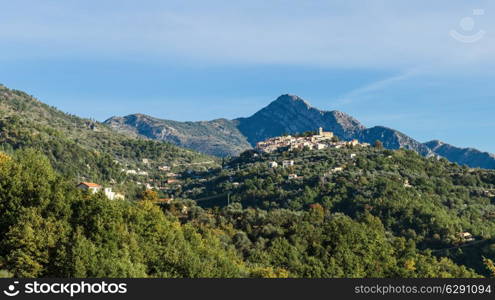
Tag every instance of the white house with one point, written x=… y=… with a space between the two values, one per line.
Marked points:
x=108 y=192
x=94 y=188
x=466 y=236
x=131 y=172
x=273 y=164
x=287 y=163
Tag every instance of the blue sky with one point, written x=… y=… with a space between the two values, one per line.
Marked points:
x=391 y=63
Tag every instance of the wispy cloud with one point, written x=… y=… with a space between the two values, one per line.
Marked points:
x=395 y=34
x=366 y=91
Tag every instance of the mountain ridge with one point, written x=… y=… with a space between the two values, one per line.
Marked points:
x=218 y=137
x=288 y=114
x=292 y=114
x=464 y=156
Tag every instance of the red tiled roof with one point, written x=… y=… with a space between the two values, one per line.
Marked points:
x=90 y=184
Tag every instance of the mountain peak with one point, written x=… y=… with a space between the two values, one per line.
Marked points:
x=294 y=100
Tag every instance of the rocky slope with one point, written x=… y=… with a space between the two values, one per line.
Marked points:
x=218 y=137
x=392 y=139
x=291 y=114
x=463 y=156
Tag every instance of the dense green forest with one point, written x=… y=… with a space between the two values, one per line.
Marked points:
x=350 y=212
x=51 y=229
x=429 y=202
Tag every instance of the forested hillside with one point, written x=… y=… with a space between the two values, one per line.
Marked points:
x=348 y=212
x=50 y=229
x=430 y=203
x=80 y=148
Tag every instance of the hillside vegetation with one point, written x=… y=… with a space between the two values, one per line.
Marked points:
x=427 y=202
x=349 y=212
x=50 y=229
x=81 y=148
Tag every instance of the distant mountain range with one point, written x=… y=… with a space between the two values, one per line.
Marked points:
x=287 y=114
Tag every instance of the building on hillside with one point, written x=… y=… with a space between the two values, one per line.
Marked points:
x=320 y=146
x=94 y=188
x=119 y=196
x=166 y=200
x=273 y=164
x=287 y=163
x=488 y=193
x=292 y=176
x=324 y=134
x=90 y=187
x=172 y=181
x=109 y=194
x=466 y=237
x=164 y=168
x=353 y=143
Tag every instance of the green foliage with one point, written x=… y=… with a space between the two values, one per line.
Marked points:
x=79 y=148
x=489 y=265
x=352 y=212
x=427 y=201
x=52 y=230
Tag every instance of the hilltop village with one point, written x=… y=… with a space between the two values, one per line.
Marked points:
x=319 y=141
x=168 y=183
